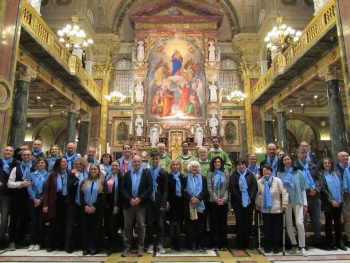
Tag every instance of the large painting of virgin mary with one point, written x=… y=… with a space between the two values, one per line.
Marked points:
x=176 y=81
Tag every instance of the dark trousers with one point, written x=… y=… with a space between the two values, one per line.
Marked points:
x=155 y=224
x=19 y=219
x=195 y=231
x=37 y=218
x=244 y=221
x=4 y=210
x=272 y=229
x=57 y=225
x=333 y=216
x=111 y=225
x=314 y=211
x=92 y=229
x=73 y=230
x=218 y=224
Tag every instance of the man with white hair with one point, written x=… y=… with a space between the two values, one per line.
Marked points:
x=203 y=160
x=252 y=166
x=165 y=160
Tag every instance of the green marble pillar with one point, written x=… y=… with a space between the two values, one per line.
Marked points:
x=282 y=131
x=269 y=135
x=83 y=137
x=73 y=111
x=244 y=137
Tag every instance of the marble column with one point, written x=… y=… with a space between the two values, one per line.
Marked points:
x=73 y=110
x=336 y=114
x=244 y=137
x=84 y=134
x=282 y=128
x=269 y=130
x=20 y=106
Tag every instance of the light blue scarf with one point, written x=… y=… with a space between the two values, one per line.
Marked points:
x=308 y=158
x=25 y=168
x=70 y=159
x=176 y=177
x=108 y=171
x=94 y=161
x=195 y=187
x=267 y=198
x=346 y=177
x=253 y=169
x=154 y=173
x=135 y=181
x=81 y=177
x=334 y=185
x=5 y=164
x=91 y=192
x=243 y=187
x=36 y=153
x=218 y=179
x=273 y=164
x=308 y=178
x=288 y=179
x=62 y=182
x=40 y=180
x=51 y=161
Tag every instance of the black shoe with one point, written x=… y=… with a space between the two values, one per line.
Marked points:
x=69 y=251
x=327 y=248
x=93 y=252
x=341 y=246
x=49 y=249
x=86 y=252
x=126 y=251
x=276 y=250
x=267 y=249
x=200 y=249
x=214 y=249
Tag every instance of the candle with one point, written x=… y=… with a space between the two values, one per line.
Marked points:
x=108 y=148
x=282 y=144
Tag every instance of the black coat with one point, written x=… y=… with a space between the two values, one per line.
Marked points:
x=4 y=177
x=162 y=188
x=236 y=197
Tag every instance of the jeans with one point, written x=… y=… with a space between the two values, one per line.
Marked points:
x=314 y=211
x=4 y=210
x=37 y=223
x=155 y=223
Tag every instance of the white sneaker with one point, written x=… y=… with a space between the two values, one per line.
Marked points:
x=150 y=249
x=160 y=249
x=303 y=252
x=30 y=248
x=36 y=247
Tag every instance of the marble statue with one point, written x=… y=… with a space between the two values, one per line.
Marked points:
x=154 y=135
x=213 y=125
x=198 y=135
x=140 y=51
x=139 y=125
x=211 y=49
x=133 y=55
x=139 y=92
x=213 y=96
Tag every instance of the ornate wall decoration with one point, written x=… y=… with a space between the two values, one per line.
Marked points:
x=231 y=133
x=176 y=81
x=120 y=131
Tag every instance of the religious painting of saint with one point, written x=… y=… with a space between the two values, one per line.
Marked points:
x=175 y=81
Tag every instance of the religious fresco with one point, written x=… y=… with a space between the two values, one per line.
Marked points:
x=176 y=81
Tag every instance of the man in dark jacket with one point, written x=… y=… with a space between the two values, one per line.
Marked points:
x=7 y=163
x=156 y=210
x=136 y=189
x=313 y=190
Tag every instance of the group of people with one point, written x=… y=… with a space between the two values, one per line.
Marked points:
x=70 y=201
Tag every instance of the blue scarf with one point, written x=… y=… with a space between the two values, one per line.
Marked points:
x=51 y=161
x=346 y=177
x=36 y=153
x=70 y=159
x=308 y=178
x=81 y=177
x=91 y=192
x=95 y=161
x=62 y=183
x=154 y=173
x=243 y=187
x=334 y=185
x=254 y=169
x=308 y=158
x=5 y=164
x=40 y=180
x=135 y=181
x=176 y=177
x=267 y=198
x=116 y=182
x=195 y=187
x=288 y=179
x=273 y=164
x=218 y=179
x=25 y=168
x=108 y=171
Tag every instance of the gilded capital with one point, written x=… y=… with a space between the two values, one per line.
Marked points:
x=101 y=70
x=267 y=117
x=73 y=108
x=328 y=73
x=250 y=69
x=279 y=107
x=85 y=117
x=25 y=74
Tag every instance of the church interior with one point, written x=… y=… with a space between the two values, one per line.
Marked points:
x=175 y=70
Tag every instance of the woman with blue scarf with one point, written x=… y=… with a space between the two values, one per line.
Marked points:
x=93 y=201
x=54 y=154
x=175 y=203
x=332 y=203
x=36 y=191
x=55 y=205
x=218 y=190
x=75 y=179
x=113 y=216
x=195 y=191
x=243 y=188
x=105 y=164
x=271 y=199
x=294 y=181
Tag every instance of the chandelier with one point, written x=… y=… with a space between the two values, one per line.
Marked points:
x=115 y=97
x=72 y=36
x=281 y=37
x=236 y=96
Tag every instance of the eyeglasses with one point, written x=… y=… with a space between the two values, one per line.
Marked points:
x=26 y=155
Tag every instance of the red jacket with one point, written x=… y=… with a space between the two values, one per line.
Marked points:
x=50 y=192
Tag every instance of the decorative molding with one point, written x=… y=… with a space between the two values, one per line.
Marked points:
x=25 y=74
x=73 y=108
x=329 y=73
